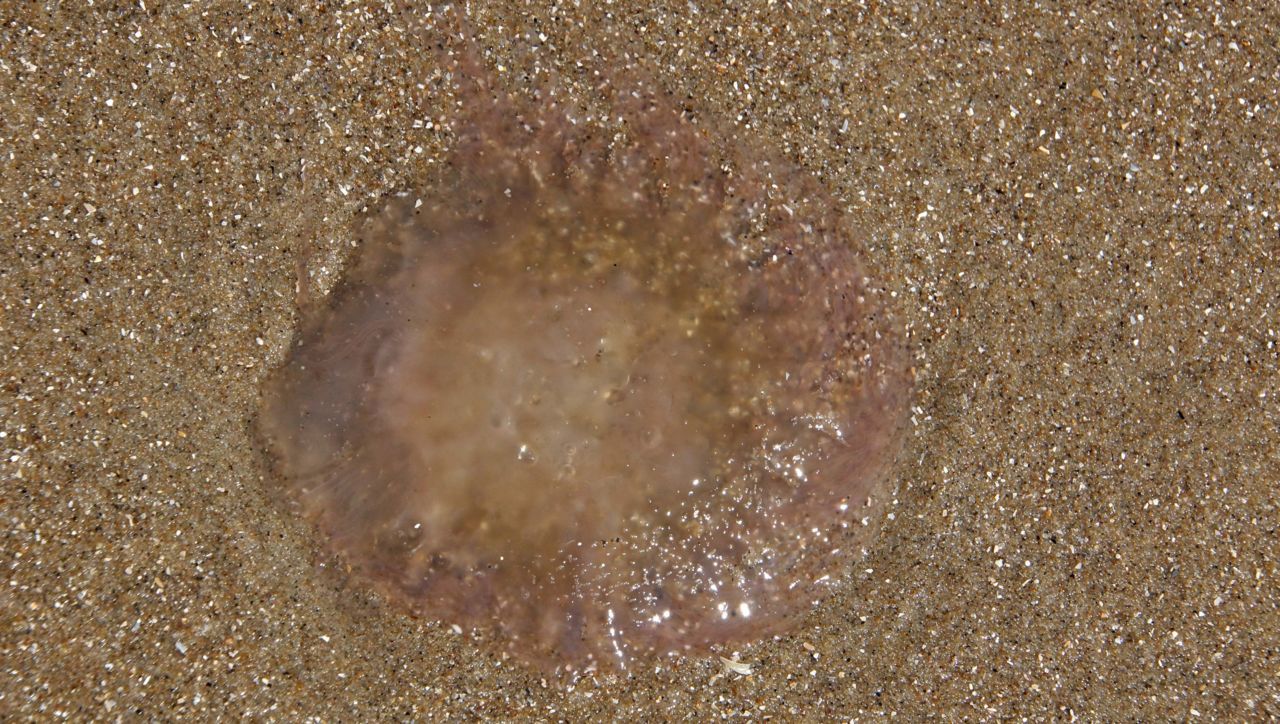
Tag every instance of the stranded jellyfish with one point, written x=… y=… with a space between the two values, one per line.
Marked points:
x=593 y=392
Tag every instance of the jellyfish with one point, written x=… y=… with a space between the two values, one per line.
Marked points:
x=607 y=390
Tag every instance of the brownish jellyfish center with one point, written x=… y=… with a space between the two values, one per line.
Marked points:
x=602 y=417
x=541 y=411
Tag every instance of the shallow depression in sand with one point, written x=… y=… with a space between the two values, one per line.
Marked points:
x=604 y=399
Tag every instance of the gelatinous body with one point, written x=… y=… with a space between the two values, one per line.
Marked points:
x=604 y=399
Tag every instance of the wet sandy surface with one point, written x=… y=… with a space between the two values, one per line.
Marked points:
x=1078 y=210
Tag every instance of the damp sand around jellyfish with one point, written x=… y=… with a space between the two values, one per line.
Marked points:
x=594 y=392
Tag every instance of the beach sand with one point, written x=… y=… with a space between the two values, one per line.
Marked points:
x=1076 y=210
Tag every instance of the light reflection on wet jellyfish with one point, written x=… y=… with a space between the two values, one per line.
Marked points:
x=605 y=398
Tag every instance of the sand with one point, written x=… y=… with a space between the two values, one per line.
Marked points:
x=1077 y=210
